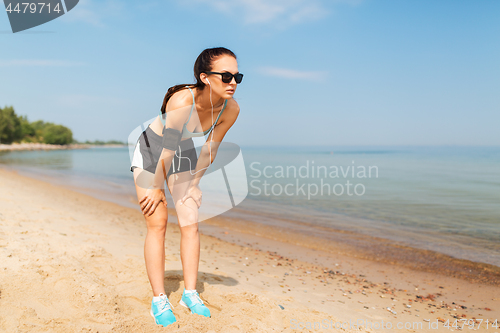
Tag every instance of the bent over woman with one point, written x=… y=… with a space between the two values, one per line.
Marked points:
x=204 y=108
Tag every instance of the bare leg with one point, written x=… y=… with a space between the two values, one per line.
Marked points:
x=187 y=215
x=190 y=254
x=154 y=245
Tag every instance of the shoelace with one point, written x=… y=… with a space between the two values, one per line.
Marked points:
x=163 y=305
x=194 y=297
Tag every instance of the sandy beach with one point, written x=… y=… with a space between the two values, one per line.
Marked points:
x=73 y=263
x=45 y=146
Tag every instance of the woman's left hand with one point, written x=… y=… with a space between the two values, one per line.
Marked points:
x=194 y=192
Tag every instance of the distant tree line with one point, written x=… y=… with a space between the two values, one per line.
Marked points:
x=14 y=128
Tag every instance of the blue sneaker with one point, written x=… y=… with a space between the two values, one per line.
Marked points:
x=194 y=303
x=161 y=311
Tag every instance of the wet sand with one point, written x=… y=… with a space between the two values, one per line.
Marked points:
x=73 y=263
x=366 y=247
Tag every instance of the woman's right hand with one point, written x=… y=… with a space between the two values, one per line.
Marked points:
x=151 y=200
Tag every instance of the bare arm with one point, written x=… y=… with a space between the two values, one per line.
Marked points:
x=213 y=142
x=177 y=114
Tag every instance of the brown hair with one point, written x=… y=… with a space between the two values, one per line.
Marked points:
x=202 y=64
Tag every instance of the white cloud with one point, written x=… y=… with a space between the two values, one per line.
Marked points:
x=280 y=12
x=40 y=63
x=293 y=73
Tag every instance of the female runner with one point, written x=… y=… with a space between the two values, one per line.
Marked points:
x=166 y=144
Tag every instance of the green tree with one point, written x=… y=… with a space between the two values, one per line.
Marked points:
x=10 y=125
x=28 y=132
x=14 y=129
x=39 y=127
x=57 y=134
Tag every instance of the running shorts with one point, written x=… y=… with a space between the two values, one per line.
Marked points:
x=149 y=147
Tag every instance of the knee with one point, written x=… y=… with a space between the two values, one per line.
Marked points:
x=157 y=226
x=189 y=219
x=157 y=229
x=190 y=230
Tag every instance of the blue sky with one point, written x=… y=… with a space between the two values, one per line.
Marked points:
x=317 y=72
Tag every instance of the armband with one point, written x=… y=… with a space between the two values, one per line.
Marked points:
x=171 y=139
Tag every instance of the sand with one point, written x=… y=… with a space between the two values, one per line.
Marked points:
x=73 y=263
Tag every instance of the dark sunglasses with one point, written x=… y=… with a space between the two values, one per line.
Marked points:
x=228 y=77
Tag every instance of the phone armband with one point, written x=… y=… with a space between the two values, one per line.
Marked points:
x=171 y=139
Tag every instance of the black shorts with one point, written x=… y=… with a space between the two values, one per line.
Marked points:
x=148 y=150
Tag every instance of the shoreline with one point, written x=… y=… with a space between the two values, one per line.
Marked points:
x=45 y=146
x=63 y=241
x=334 y=241
x=449 y=247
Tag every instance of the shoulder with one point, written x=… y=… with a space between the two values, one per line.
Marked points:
x=232 y=109
x=180 y=100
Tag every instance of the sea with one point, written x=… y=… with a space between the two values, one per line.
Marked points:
x=439 y=198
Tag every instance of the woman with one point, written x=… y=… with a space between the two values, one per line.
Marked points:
x=166 y=144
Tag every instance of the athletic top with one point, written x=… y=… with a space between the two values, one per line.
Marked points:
x=185 y=132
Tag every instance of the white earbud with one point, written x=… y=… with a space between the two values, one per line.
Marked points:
x=208 y=81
